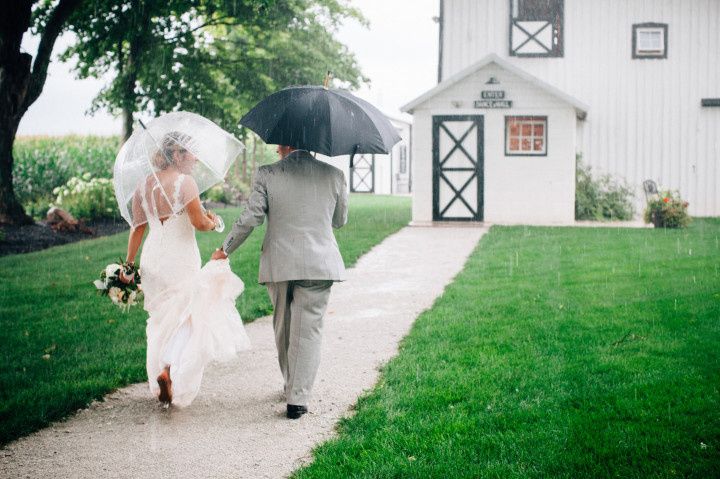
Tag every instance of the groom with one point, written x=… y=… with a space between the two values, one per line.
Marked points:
x=303 y=199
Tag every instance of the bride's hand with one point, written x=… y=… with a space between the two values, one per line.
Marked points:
x=218 y=254
x=126 y=278
x=211 y=216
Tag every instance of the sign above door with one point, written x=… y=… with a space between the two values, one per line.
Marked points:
x=492 y=99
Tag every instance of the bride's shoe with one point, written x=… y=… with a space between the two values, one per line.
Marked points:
x=165 y=384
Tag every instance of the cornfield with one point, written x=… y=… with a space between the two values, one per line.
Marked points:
x=43 y=163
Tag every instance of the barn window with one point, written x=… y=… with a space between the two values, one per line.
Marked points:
x=403 y=159
x=649 y=40
x=536 y=28
x=526 y=135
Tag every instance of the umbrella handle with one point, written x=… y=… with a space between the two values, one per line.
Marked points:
x=352 y=155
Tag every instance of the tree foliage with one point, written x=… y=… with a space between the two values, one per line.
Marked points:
x=212 y=57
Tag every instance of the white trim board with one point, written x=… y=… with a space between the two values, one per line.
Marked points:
x=581 y=108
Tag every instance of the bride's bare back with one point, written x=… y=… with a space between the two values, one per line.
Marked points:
x=169 y=193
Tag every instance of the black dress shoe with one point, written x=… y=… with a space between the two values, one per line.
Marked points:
x=294 y=412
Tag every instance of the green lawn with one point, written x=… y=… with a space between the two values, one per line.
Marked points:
x=557 y=352
x=48 y=306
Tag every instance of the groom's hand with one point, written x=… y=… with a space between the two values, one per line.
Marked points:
x=218 y=254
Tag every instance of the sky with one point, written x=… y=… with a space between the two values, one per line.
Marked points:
x=398 y=52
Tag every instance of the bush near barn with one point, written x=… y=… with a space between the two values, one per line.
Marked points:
x=600 y=198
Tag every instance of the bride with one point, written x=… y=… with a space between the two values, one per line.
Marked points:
x=192 y=315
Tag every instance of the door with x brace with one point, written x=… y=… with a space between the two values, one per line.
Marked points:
x=362 y=174
x=458 y=168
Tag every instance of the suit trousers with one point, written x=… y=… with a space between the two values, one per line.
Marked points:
x=299 y=307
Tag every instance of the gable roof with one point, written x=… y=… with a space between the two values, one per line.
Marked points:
x=580 y=107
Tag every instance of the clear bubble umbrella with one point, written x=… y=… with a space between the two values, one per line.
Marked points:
x=178 y=143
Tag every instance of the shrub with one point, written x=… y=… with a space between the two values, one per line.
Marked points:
x=236 y=190
x=45 y=163
x=240 y=191
x=217 y=194
x=601 y=198
x=38 y=207
x=668 y=210
x=88 y=198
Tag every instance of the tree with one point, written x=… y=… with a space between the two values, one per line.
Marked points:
x=260 y=61
x=215 y=58
x=154 y=49
x=22 y=80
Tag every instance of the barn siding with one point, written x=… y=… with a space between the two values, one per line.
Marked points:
x=645 y=119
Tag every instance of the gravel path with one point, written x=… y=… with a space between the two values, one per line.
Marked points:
x=236 y=426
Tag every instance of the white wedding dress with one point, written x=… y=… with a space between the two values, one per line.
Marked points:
x=192 y=315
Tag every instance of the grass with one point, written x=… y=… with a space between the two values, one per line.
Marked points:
x=63 y=346
x=557 y=352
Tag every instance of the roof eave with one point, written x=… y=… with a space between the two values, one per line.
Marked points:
x=581 y=108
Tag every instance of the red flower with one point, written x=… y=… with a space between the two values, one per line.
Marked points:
x=666 y=199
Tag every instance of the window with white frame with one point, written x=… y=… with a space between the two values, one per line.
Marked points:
x=526 y=135
x=649 y=40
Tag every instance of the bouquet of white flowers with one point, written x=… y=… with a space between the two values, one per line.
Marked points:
x=121 y=293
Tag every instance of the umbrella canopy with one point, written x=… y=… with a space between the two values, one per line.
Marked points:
x=172 y=144
x=328 y=121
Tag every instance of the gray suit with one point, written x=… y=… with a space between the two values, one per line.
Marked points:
x=303 y=199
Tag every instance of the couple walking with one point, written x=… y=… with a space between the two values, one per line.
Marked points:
x=192 y=315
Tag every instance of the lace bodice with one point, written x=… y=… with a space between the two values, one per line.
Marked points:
x=170 y=250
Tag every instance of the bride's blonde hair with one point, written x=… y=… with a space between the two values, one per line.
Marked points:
x=172 y=142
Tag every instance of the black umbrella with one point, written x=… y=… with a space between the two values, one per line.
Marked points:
x=328 y=121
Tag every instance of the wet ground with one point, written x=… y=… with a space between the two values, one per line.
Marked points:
x=237 y=427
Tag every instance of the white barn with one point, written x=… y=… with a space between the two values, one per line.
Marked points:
x=508 y=157
x=379 y=174
x=643 y=77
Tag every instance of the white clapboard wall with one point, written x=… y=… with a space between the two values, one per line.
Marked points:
x=645 y=119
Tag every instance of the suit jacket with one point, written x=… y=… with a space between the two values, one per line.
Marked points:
x=303 y=199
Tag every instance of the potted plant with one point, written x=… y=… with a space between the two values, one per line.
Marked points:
x=667 y=210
